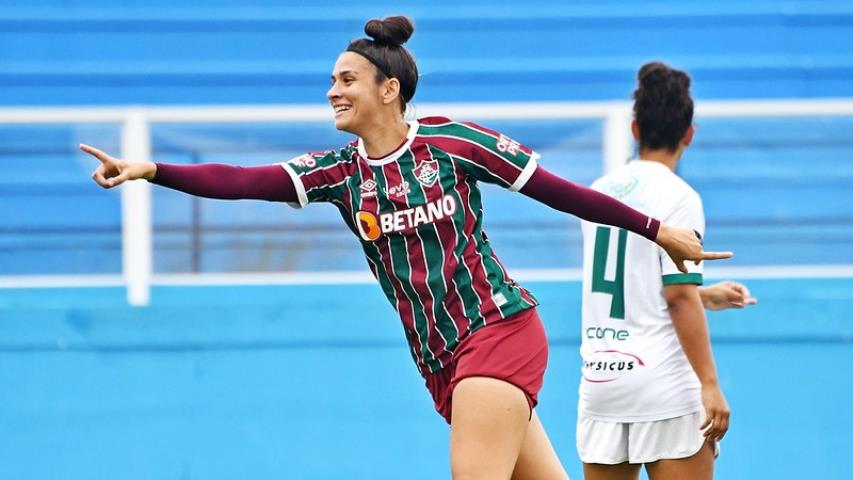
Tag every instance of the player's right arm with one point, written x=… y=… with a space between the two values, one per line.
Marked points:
x=681 y=291
x=112 y=171
x=228 y=182
x=688 y=318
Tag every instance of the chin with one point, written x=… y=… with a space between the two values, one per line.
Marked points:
x=343 y=126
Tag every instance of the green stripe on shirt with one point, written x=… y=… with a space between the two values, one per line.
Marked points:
x=678 y=278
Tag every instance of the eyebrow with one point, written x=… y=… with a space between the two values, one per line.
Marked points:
x=345 y=72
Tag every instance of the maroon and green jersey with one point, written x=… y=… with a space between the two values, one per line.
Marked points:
x=419 y=215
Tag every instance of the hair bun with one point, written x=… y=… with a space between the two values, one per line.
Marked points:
x=390 y=30
x=658 y=74
x=652 y=74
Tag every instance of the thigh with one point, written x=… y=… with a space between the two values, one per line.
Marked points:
x=537 y=459
x=620 y=471
x=699 y=466
x=488 y=424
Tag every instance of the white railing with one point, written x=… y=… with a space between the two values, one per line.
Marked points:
x=136 y=145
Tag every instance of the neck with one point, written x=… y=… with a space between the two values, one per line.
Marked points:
x=664 y=156
x=384 y=137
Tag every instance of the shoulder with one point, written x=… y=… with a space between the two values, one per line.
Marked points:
x=435 y=121
x=447 y=127
x=465 y=138
x=681 y=199
x=682 y=192
x=328 y=157
x=323 y=160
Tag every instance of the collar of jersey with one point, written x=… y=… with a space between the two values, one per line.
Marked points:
x=393 y=156
x=650 y=163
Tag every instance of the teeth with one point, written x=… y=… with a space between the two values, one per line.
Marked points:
x=341 y=108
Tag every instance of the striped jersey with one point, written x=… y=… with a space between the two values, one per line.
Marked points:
x=418 y=215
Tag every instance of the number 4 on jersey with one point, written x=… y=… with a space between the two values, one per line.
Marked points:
x=615 y=287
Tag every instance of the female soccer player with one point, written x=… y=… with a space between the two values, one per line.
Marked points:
x=649 y=392
x=409 y=192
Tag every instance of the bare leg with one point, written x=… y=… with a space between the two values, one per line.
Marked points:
x=700 y=466
x=538 y=460
x=488 y=425
x=620 y=471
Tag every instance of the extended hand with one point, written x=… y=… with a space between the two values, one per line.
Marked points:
x=728 y=294
x=115 y=171
x=683 y=244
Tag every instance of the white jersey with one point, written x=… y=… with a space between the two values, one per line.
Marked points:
x=634 y=368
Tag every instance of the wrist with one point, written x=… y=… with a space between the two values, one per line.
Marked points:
x=150 y=171
x=661 y=231
x=710 y=382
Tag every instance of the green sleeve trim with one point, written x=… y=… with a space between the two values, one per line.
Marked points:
x=677 y=278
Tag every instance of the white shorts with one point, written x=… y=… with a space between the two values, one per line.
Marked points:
x=611 y=443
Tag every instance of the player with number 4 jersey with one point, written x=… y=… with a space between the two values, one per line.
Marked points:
x=633 y=366
x=649 y=393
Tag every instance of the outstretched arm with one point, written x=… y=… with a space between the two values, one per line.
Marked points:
x=723 y=295
x=267 y=182
x=681 y=244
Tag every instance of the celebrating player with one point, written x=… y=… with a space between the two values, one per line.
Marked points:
x=409 y=192
x=649 y=391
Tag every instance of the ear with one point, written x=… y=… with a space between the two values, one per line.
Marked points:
x=688 y=135
x=635 y=130
x=390 y=91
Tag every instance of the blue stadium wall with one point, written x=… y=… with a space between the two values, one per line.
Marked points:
x=316 y=383
x=162 y=52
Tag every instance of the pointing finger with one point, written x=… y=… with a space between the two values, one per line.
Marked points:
x=100 y=155
x=716 y=255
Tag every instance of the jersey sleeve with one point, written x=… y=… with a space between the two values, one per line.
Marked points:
x=687 y=213
x=492 y=157
x=318 y=176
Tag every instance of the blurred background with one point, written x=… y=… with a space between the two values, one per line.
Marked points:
x=261 y=348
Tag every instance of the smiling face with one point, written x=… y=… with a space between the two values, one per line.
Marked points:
x=357 y=97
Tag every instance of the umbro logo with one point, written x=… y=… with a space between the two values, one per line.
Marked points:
x=368 y=189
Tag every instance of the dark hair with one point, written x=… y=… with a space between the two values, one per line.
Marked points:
x=663 y=107
x=385 y=50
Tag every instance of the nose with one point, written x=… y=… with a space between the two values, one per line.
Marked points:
x=333 y=92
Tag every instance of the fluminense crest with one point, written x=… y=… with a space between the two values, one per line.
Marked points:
x=427 y=172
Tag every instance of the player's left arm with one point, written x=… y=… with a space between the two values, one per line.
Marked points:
x=681 y=244
x=727 y=294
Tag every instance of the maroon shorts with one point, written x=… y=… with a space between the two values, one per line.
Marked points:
x=514 y=350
